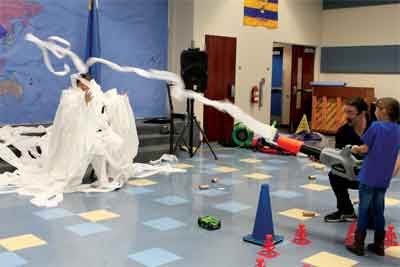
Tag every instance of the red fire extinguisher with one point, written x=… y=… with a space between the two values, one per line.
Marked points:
x=255 y=95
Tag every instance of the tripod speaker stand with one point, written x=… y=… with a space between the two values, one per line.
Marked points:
x=190 y=123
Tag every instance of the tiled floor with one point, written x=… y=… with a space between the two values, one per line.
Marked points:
x=153 y=222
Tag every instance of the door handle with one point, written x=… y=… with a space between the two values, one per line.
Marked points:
x=231 y=90
x=298 y=98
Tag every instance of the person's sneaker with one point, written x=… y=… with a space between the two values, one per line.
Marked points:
x=349 y=217
x=334 y=217
x=337 y=216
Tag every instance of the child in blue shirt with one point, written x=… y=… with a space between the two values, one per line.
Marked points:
x=382 y=144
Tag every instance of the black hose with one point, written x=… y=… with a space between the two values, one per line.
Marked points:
x=311 y=151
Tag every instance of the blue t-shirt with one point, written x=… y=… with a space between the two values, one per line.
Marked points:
x=383 y=141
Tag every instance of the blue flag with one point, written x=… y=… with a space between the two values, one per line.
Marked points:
x=93 y=39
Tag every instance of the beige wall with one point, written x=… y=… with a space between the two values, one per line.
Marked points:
x=286 y=83
x=180 y=37
x=374 y=25
x=299 y=23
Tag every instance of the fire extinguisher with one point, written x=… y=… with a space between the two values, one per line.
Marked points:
x=255 y=96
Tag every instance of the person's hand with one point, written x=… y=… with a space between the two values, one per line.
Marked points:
x=88 y=97
x=313 y=158
x=355 y=149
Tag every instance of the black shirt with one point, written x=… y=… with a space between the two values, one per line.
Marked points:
x=346 y=135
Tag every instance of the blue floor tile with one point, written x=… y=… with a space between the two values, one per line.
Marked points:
x=85 y=229
x=397 y=229
x=195 y=159
x=52 y=214
x=164 y=224
x=9 y=259
x=321 y=177
x=232 y=206
x=146 y=224
x=277 y=161
x=395 y=179
x=303 y=160
x=268 y=168
x=208 y=166
x=224 y=156
x=211 y=192
x=286 y=194
x=154 y=257
x=138 y=190
x=260 y=155
x=208 y=172
x=171 y=200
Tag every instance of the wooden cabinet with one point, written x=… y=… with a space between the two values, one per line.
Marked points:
x=327 y=105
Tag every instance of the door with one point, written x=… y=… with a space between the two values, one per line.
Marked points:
x=301 y=92
x=276 y=84
x=221 y=53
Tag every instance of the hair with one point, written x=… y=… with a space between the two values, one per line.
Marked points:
x=358 y=103
x=392 y=107
x=85 y=76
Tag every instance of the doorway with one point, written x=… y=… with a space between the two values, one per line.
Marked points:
x=291 y=91
x=221 y=53
x=277 y=85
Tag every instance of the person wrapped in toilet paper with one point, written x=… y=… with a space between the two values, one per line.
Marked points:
x=90 y=127
x=110 y=128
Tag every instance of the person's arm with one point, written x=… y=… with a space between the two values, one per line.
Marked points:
x=88 y=97
x=363 y=149
x=340 y=139
x=397 y=166
x=368 y=139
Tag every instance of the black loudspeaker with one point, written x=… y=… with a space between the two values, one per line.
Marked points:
x=194 y=69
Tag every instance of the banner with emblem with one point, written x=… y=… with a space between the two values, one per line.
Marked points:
x=261 y=13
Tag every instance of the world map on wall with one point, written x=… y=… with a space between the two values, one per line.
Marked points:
x=15 y=16
x=29 y=93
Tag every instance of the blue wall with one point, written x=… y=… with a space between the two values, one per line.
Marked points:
x=133 y=32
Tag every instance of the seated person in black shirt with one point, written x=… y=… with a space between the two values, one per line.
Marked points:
x=356 y=112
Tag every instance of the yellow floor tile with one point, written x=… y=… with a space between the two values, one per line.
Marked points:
x=98 y=215
x=183 y=166
x=258 y=176
x=185 y=148
x=316 y=165
x=316 y=187
x=250 y=160
x=393 y=252
x=224 y=169
x=388 y=201
x=297 y=214
x=391 y=201
x=354 y=200
x=141 y=182
x=21 y=242
x=326 y=259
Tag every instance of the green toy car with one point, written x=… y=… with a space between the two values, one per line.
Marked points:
x=209 y=223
